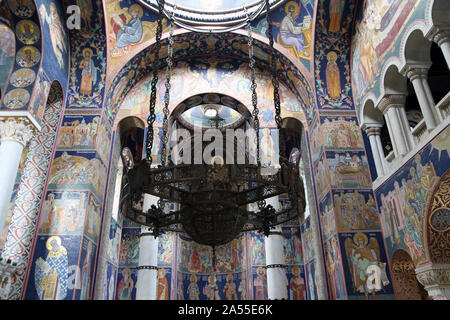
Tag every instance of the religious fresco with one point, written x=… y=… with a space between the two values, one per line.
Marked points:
x=365 y=263
x=322 y=176
x=403 y=199
x=332 y=50
x=165 y=249
x=355 y=210
x=28 y=56
x=39 y=100
x=349 y=169
x=327 y=217
x=309 y=251
x=337 y=132
x=63 y=212
x=211 y=287
x=259 y=282
x=23 y=9
x=28 y=32
x=292 y=28
x=129 y=247
x=109 y=286
x=128 y=25
x=223 y=45
x=55 y=40
x=88 y=59
x=163 y=290
x=333 y=266
x=378 y=27
x=200 y=75
x=78 y=132
x=296 y=283
x=292 y=245
x=257 y=249
x=113 y=242
x=77 y=170
x=54 y=268
x=86 y=277
x=126 y=284
x=7 y=53
x=92 y=222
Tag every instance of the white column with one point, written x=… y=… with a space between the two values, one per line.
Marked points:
x=147 y=280
x=14 y=135
x=393 y=109
x=275 y=262
x=373 y=132
x=442 y=38
x=418 y=76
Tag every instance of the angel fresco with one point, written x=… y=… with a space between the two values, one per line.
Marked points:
x=367 y=270
x=57 y=32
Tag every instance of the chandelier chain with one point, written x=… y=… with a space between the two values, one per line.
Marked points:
x=169 y=61
x=152 y=116
x=255 y=112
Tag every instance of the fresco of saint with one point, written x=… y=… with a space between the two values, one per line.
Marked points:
x=51 y=273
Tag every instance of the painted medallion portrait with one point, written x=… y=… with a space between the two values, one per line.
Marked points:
x=28 y=57
x=27 y=32
x=17 y=98
x=22 y=8
x=23 y=78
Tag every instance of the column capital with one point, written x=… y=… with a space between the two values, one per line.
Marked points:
x=19 y=130
x=435 y=279
x=439 y=35
x=414 y=72
x=7 y=271
x=391 y=101
x=372 y=129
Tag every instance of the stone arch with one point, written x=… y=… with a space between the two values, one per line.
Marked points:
x=404 y=277
x=391 y=80
x=414 y=46
x=437 y=13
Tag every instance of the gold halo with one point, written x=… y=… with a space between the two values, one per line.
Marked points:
x=49 y=240
x=229 y=277
x=162 y=272
x=295 y=271
x=193 y=278
x=87 y=50
x=332 y=53
x=126 y=271
x=260 y=270
x=138 y=8
x=296 y=8
x=357 y=236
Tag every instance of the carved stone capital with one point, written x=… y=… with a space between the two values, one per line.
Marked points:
x=436 y=279
x=19 y=130
x=372 y=129
x=416 y=72
x=439 y=36
x=391 y=101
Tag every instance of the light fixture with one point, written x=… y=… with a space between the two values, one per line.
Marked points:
x=213 y=197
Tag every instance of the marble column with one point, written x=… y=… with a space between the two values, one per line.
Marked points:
x=418 y=77
x=147 y=279
x=275 y=262
x=373 y=132
x=393 y=109
x=14 y=136
x=436 y=280
x=442 y=39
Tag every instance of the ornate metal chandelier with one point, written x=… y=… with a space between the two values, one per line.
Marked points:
x=213 y=198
